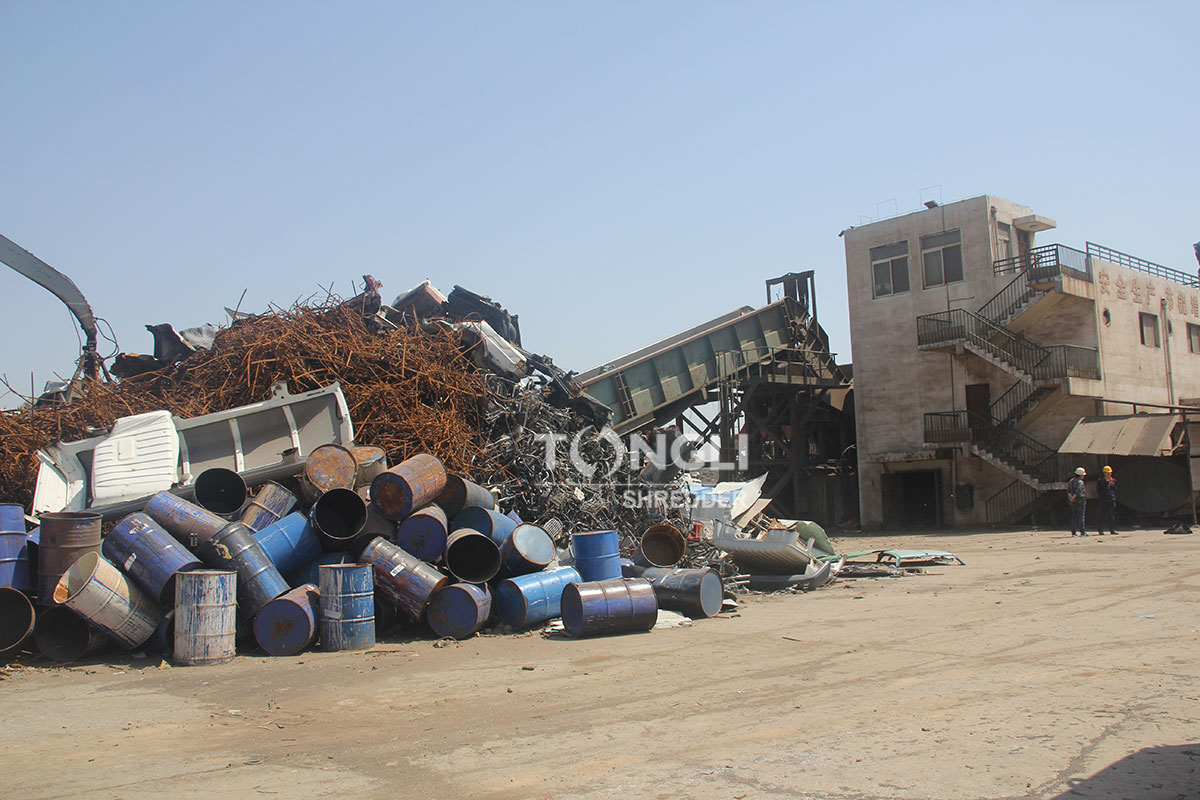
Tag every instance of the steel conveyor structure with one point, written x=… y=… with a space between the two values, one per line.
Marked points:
x=774 y=379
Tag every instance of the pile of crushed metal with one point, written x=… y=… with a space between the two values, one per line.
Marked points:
x=243 y=476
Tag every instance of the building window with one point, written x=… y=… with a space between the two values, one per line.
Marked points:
x=1193 y=338
x=1149 y=323
x=1003 y=241
x=889 y=264
x=942 y=256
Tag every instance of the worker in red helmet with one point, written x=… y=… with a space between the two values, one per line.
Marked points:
x=1106 y=492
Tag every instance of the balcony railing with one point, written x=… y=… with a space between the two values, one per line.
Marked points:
x=1069 y=361
x=1140 y=264
x=1047 y=263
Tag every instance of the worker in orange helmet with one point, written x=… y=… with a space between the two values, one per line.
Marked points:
x=1106 y=491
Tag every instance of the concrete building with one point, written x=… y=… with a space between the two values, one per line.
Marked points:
x=976 y=350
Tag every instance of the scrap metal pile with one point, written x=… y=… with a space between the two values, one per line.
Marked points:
x=473 y=506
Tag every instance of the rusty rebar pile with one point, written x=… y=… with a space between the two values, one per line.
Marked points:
x=409 y=390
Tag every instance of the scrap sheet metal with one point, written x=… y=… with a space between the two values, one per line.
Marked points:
x=1130 y=435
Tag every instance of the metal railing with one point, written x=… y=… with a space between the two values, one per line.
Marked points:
x=1069 y=361
x=1014 y=295
x=1009 y=407
x=947 y=327
x=946 y=427
x=1004 y=504
x=1046 y=263
x=1141 y=265
x=1019 y=451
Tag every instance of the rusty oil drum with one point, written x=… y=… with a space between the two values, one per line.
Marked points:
x=66 y=536
x=329 y=466
x=403 y=579
x=407 y=486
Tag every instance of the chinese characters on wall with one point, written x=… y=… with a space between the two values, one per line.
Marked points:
x=1180 y=299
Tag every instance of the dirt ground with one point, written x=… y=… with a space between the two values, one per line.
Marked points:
x=1046 y=667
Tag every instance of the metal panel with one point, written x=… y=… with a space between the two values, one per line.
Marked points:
x=1132 y=435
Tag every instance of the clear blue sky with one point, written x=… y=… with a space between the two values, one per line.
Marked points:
x=613 y=172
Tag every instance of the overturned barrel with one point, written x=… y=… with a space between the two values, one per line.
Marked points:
x=471 y=557
x=461 y=493
x=338 y=516
x=458 y=610
x=661 y=545
x=694 y=592
x=258 y=581
x=187 y=522
x=288 y=624
x=597 y=555
x=15 y=570
x=347 y=607
x=371 y=463
x=163 y=640
x=66 y=536
x=206 y=603
x=17 y=619
x=221 y=491
x=423 y=533
x=527 y=549
x=534 y=598
x=492 y=524
x=290 y=543
x=328 y=467
x=271 y=504
x=149 y=555
x=100 y=593
x=377 y=524
x=407 y=581
x=62 y=635
x=601 y=608
x=412 y=483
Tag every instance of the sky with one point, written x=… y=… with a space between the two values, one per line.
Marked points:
x=611 y=172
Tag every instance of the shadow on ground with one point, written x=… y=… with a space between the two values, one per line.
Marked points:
x=1171 y=772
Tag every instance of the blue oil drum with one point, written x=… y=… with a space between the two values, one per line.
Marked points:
x=412 y=483
x=534 y=598
x=163 y=640
x=471 y=557
x=62 y=635
x=187 y=522
x=459 y=610
x=14 y=549
x=491 y=524
x=149 y=555
x=405 y=580
x=423 y=533
x=597 y=555
x=288 y=624
x=698 y=593
x=527 y=549
x=310 y=572
x=347 y=607
x=271 y=504
x=601 y=608
x=291 y=543
x=222 y=491
x=234 y=547
x=205 y=616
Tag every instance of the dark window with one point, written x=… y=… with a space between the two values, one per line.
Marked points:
x=889 y=266
x=1149 y=323
x=1193 y=338
x=942 y=257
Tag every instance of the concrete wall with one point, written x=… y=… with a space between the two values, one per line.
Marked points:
x=895 y=384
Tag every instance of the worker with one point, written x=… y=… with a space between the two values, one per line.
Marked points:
x=1077 y=498
x=1106 y=491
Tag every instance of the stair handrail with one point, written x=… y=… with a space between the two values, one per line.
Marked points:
x=1014 y=293
x=959 y=323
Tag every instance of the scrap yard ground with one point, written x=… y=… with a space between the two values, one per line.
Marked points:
x=1046 y=667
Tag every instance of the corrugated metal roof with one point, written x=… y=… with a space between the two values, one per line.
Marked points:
x=1133 y=435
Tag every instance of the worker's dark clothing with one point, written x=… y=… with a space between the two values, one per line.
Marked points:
x=1106 y=489
x=1077 y=497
